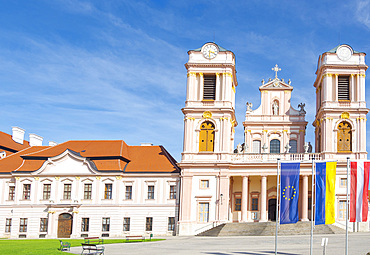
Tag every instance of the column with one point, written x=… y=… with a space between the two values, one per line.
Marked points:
x=224 y=199
x=218 y=88
x=186 y=199
x=323 y=135
x=245 y=196
x=201 y=86
x=263 y=217
x=305 y=198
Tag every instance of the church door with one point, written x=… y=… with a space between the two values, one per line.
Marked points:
x=206 y=136
x=272 y=209
x=64 y=225
x=344 y=137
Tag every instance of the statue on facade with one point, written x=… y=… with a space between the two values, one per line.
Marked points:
x=287 y=148
x=301 y=110
x=275 y=108
x=239 y=148
x=249 y=107
x=245 y=147
x=264 y=148
x=309 y=148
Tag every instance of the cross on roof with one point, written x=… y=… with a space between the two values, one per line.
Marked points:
x=276 y=69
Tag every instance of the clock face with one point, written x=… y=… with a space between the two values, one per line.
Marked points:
x=209 y=51
x=344 y=53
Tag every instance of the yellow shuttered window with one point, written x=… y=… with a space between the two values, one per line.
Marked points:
x=344 y=137
x=206 y=136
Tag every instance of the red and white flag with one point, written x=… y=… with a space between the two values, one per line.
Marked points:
x=359 y=190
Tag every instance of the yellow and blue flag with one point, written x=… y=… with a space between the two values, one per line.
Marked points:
x=289 y=192
x=325 y=193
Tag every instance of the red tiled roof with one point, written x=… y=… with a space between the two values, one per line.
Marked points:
x=150 y=159
x=106 y=155
x=14 y=161
x=9 y=145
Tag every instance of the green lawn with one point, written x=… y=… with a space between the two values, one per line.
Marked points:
x=45 y=246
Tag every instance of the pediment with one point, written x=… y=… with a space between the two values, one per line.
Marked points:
x=67 y=163
x=276 y=84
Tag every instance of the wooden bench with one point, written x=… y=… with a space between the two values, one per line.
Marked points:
x=135 y=238
x=64 y=246
x=89 y=248
x=93 y=240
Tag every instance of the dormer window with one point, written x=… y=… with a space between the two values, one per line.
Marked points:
x=209 y=87
x=343 y=88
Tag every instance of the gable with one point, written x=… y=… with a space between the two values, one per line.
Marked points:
x=276 y=84
x=66 y=164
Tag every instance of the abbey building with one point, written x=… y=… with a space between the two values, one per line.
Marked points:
x=110 y=189
x=220 y=184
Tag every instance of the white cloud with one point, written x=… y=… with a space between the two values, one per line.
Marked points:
x=363 y=12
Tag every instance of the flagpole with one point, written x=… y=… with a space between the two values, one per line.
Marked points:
x=312 y=197
x=277 y=203
x=347 y=206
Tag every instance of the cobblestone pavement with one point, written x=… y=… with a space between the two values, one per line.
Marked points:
x=359 y=244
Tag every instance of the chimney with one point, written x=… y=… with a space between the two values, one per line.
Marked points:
x=51 y=143
x=146 y=144
x=18 y=134
x=35 y=140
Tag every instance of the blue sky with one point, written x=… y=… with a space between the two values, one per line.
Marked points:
x=115 y=69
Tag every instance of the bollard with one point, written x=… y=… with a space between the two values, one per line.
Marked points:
x=324 y=243
x=151 y=235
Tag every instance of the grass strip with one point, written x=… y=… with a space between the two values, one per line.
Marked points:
x=47 y=246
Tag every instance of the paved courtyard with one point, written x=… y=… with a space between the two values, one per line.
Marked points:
x=359 y=244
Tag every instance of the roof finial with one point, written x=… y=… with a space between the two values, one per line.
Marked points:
x=276 y=69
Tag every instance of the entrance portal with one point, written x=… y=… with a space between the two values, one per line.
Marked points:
x=272 y=209
x=64 y=225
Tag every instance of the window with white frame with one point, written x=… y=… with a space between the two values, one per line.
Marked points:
x=171 y=223
x=105 y=224
x=11 y=193
x=85 y=224
x=87 y=190
x=149 y=224
x=108 y=191
x=150 y=191
x=256 y=146
x=46 y=191
x=44 y=225
x=204 y=184
x=293 y=146
x=8 y=225
x=172 y=192
x=26 y=191
x=67 y=192
x=203 y=212
x=128 y=193
x=126 y=224
x=342 y=210
x=23 y=224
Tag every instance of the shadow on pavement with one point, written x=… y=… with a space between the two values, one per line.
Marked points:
x=251 y=253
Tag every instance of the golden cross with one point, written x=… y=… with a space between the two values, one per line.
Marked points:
x=276 y=69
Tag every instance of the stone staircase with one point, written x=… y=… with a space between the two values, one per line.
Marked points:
x=268 y=229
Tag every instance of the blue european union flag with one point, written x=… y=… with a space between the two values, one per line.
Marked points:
x=289 y=192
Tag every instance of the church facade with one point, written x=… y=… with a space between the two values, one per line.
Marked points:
x=220 y=184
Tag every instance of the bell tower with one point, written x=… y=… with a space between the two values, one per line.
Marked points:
x=340 y=122
x=209 y=112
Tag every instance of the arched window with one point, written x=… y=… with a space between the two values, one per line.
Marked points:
x=256 y=146
x=293 y=146
x=275 y=146
x=344 y=137
x=206 y=136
